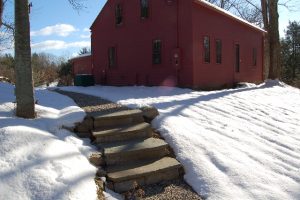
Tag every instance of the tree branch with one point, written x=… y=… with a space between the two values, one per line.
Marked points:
x=264 y=7
x=77 y=4
x=1 y=11
x=252 y=4
x=8 y=26
x=286 y=5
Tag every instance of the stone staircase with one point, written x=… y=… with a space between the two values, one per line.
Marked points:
x=130 y=154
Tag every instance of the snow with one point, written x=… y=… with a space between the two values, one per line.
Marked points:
x=39 y=159
x=50 y=85
x=239 y=143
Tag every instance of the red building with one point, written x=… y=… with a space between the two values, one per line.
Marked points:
x=188 y=43
x=82 y=64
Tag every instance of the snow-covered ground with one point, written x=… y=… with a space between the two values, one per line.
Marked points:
x=234 y=144
x=38 y=159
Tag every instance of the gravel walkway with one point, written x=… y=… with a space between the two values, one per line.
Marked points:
x=92 y=104
x=169 y=190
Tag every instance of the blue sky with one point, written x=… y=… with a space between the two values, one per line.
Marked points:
x=58 y=29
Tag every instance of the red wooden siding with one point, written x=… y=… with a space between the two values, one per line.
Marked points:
x=133 y=40
x=181 y=26
x=82 y=65
x=207 y=22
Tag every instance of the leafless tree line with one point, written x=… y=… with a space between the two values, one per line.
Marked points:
x=45 y=68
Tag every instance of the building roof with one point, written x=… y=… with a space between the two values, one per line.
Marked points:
x=81 y=56
x=228 y=14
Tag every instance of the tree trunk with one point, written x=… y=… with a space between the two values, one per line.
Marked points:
x=24 y=84
x=275 y=64
x=1 y=11
x=293 y=61
x=266 y=56
x=272 y=55
x=266 y=63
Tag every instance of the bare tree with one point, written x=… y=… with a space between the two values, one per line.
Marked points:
x=23 y=71
x=6 y=28
x=1 y=11
x=264 y=8
x=245 y=9
x=6 y=23
x=6 y=34
x=272 y=42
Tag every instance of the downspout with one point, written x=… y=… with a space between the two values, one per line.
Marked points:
x=177 y=39
x=263 y=58
x=92 y=57
x=177 y=20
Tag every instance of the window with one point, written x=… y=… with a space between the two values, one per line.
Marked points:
x=156 y=52
x=144 y=9
x=218 y=51
x=118 y=13
x=206 y=45
x=237 y=58
x=254 y=57
x=112 y=57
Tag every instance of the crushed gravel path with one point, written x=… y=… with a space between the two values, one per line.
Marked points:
x=177 y=189
x=168 y=190
x=91 y=104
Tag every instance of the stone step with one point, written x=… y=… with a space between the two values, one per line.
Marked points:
x=135 y=150
x=123 y=133
x=118 y=118
x=161 y=170
x=128 y=165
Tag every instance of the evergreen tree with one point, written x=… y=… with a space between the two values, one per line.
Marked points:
x=84 y=50
x=291 y=53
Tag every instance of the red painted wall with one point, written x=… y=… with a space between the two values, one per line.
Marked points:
x=133 y=40
x=185 y=40
x=207 y=22
x=82 y=65
x=180 y=25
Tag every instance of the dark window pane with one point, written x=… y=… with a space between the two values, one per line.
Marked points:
x=254 y=56
x=112 y=57
x=144 y=9
x=206 y=44
x=218 y=51
x=119 y=14
x=237 y=58
x=156 y=52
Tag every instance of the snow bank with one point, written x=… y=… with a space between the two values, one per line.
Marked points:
x=239 y=143
x=38 y=159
